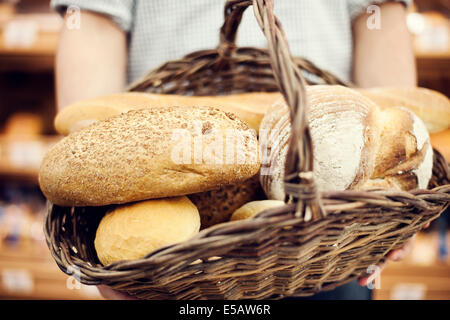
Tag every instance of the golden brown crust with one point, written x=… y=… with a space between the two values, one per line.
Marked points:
x=398 y=152
x=249 y=107
x=431 y=106
x=135 y=156
x=80 y=114
x=134 y=230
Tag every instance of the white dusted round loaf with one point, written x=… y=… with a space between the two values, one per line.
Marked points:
x=356 y=144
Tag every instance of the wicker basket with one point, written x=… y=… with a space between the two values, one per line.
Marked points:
x=316 y=242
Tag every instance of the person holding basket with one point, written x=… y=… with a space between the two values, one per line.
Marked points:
x=105 y=45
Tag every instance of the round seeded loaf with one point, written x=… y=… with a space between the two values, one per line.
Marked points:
x=149 y=153
x=217 y=206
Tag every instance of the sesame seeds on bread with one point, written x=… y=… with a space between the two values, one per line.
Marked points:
x=149 y=153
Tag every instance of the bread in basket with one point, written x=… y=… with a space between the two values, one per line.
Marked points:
x=317 y=241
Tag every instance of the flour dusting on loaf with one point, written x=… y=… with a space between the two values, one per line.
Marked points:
x=425 y=168
x=356 y=144
x=338 y=130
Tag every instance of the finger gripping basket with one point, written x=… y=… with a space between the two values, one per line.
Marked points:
x=316 y=242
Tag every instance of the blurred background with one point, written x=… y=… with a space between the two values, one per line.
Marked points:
x=28 y=41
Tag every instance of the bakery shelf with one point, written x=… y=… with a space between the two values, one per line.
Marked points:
x=29 y=272
x=28 y=42
x=423 y=275
x=20 y=158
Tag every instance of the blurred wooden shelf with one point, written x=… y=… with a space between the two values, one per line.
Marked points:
x=28 y=42
x=437 y=55
x=44 y=45
x=434 y=59
x=25 y=175
x=433 y=71
x=422 y=275
x=29 y=272
x=20 y=158
x=26 y=63
x=433 y=64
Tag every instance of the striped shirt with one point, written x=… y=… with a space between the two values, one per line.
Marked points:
x=163 y=30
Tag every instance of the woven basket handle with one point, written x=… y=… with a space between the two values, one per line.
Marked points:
x=299 y=180
x=234 y=10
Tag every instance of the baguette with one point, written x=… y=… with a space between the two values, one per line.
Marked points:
x=431 y=106
x=249 y=107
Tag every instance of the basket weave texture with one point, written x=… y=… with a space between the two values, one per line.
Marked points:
x=316 y=242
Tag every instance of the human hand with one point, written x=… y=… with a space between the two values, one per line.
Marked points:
x=394 y=255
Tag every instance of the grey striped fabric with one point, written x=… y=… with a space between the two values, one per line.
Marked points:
x=162 y=30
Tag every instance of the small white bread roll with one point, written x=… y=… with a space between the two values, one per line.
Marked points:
x=132 y=231
x=356 y=144
x=252 y=208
